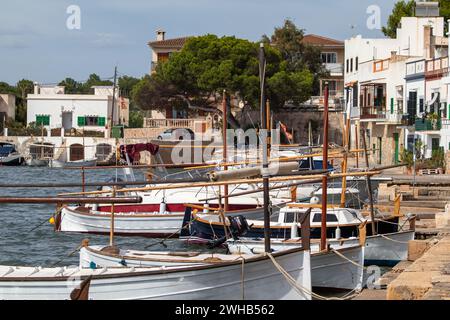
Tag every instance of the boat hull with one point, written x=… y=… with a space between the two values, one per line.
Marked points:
x=37 y=163
x=329 y=270
x=151 y=225
x=202 y=231
x=69 y=164
x=15 y=160
x=256 y=279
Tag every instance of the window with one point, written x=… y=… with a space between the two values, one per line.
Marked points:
x=43 y=120
x=347 y=64
x=329 y=57
x=351 y=65
x=91 y=121
x=356 y=63
x=330 y=217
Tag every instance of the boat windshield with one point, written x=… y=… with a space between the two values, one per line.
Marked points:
x=6 y=150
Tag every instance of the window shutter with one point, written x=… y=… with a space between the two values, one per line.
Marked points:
x=81 y=121
x=46 y=120
x=38 y=120
x=392 y=105
x=101 y=121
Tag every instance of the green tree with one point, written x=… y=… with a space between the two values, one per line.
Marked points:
x=407 y=9
x=6 y=88
x=207 y=65
x=95 y=80
x=72 y=86
x=298 y=55
x=136 y=119
x=126 y=85
x=24 y=87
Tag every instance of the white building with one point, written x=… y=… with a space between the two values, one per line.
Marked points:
x=54 y=109
x=390 y=83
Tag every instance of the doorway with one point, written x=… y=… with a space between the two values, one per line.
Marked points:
x=67 y=120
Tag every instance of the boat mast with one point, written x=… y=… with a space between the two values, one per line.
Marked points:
x=323 y=229
x=225 y=147
x=368 y=183
x=265 y=165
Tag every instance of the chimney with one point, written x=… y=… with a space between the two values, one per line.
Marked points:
x=427 y=47
x=36 y=88
x=160 y=35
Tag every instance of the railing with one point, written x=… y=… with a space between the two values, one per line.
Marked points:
x=172 y=123
x=436 y=67
x=428 y=125
x=335 y=67
x=372 y=112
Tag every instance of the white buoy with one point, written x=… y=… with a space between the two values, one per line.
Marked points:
x=314 y=200
x=338 y=232
x=206 y=208
x=162 y=207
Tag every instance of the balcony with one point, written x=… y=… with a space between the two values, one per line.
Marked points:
x=335 y=68
x=428 y=125
x=436 y=67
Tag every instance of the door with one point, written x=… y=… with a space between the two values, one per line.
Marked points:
x=67 y=120
x=396 y=148
x=412 y=106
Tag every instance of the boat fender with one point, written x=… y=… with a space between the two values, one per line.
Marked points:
x=338 y=232
x=206 y=208
x=92 y=265
x=123 y=262
x=162 y=207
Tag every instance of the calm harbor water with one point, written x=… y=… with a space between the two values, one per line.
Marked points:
x=19 y=246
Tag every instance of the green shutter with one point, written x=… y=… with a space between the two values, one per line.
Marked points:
x=38 y=120
x=101 y=121
x=81 y=121
x=392 y=105
x=46 y=120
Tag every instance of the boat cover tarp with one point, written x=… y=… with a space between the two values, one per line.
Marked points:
x=134 y=150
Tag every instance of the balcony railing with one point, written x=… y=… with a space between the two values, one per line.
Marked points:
x=335 y=68
x=170 y=123
x=436 y=67
x=428 y=125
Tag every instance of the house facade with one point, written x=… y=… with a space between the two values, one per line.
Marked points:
x=332 y=53
x=7 y=109
x=393 y=85
x=162 y=48
x=50 y=107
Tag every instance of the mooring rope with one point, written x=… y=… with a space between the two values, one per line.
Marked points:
x=348 y=259
x=300 y=289
x=393 y=240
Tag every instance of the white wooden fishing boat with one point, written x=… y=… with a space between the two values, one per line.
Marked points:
x=65 y=164
x=342 y=270
x=161 y=213
x=381 y=249
x=255 y=278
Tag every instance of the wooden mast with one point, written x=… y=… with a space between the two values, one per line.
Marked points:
x=323 y=234
x=345 y=162
x=265 y=165
x=225 y=155
x=369 y=185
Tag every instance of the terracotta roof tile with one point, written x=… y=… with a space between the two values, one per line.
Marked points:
x=169 y=43
x=313 y=39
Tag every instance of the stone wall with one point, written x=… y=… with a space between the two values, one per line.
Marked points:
x=299 y=120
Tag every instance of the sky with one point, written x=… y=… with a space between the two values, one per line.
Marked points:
x=37 y=44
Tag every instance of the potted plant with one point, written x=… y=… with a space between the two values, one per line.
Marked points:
x=406 y=157
x=434 y=118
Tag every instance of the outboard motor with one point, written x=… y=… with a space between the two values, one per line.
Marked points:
x=238 y=227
